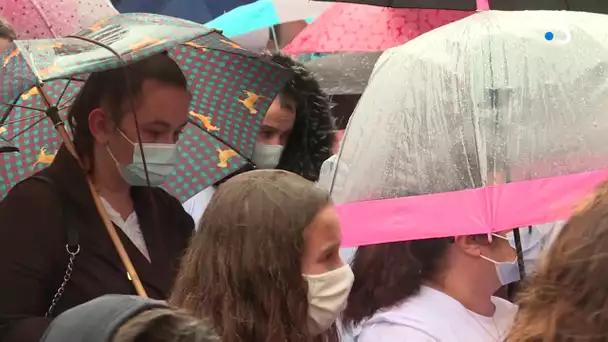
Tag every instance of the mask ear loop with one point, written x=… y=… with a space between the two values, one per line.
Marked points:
x=139 y=143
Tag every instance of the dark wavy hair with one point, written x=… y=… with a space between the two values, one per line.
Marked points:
x=243 y=267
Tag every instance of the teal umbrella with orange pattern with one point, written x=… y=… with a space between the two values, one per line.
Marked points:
x=231 y=90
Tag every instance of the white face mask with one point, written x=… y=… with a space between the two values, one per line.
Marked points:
x=327 y=295
x=161 y=160
x=266 y=156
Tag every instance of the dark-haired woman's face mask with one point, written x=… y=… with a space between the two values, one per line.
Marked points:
x=273 y=135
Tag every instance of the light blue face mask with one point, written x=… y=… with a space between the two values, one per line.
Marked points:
x=508 y=272
x=161 y=160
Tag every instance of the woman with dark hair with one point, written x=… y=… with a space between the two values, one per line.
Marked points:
x=432 y=290
x=566 y=299
x=265 y=263
x=55 y=252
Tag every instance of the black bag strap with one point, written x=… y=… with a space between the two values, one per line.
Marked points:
x=72 y=246
x=71 y=232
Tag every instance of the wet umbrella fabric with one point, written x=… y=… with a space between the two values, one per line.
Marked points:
x=53 y=18
x=594 y=6
x=482 y=125
x=344 y=73
x=200 y=11
x=231 y=87
x=266 y=13
x=364 y=28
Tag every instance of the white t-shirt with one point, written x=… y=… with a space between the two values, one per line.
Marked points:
x=433 y=316
x=197 y=204
x=130 y=227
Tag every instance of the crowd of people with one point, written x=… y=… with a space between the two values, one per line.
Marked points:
x=262 y=262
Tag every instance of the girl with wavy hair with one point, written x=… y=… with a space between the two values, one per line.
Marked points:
x=264 y=265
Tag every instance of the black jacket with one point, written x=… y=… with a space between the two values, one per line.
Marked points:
x=36 y=217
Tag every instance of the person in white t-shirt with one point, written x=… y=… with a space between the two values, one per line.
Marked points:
x=297 y=133
x=438 y=290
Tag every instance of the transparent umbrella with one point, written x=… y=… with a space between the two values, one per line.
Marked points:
x=489 y=123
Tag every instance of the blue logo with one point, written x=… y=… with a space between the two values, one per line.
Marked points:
x=549 y=36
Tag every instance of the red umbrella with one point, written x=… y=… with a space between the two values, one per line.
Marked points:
x=365 y=28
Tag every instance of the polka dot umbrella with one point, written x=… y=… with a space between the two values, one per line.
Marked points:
x=231 y=90
x=35 y=19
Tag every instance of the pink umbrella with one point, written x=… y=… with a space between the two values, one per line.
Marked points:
x=36 y=19
x=365 y=28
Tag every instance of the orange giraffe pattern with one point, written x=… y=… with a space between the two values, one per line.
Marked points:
x=146 y=42
x=232 y=44
x=197 y=46
x=205 y=121
x=44 y=158
x=250 y=101
x=12 y=55
x=98 y=24
x=46 y=71
x=224 y=156
x=51 y=46
x=30 y=93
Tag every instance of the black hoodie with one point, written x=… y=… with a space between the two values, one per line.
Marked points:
x=312 y=139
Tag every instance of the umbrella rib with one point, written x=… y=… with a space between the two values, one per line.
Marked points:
x=23 y=119
x=63 y=92
x=25 y=107
x=26 y=129
x=67 y=102
x=10 y=108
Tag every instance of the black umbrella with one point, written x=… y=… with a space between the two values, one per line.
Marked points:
x=596 y=6
x=344 y=73
x=5 y=147
x=344 y=76
x=343 y=107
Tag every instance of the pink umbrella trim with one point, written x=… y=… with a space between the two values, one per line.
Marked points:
x=476 y=211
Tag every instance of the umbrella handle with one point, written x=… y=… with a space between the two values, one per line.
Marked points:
x=120 y=248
